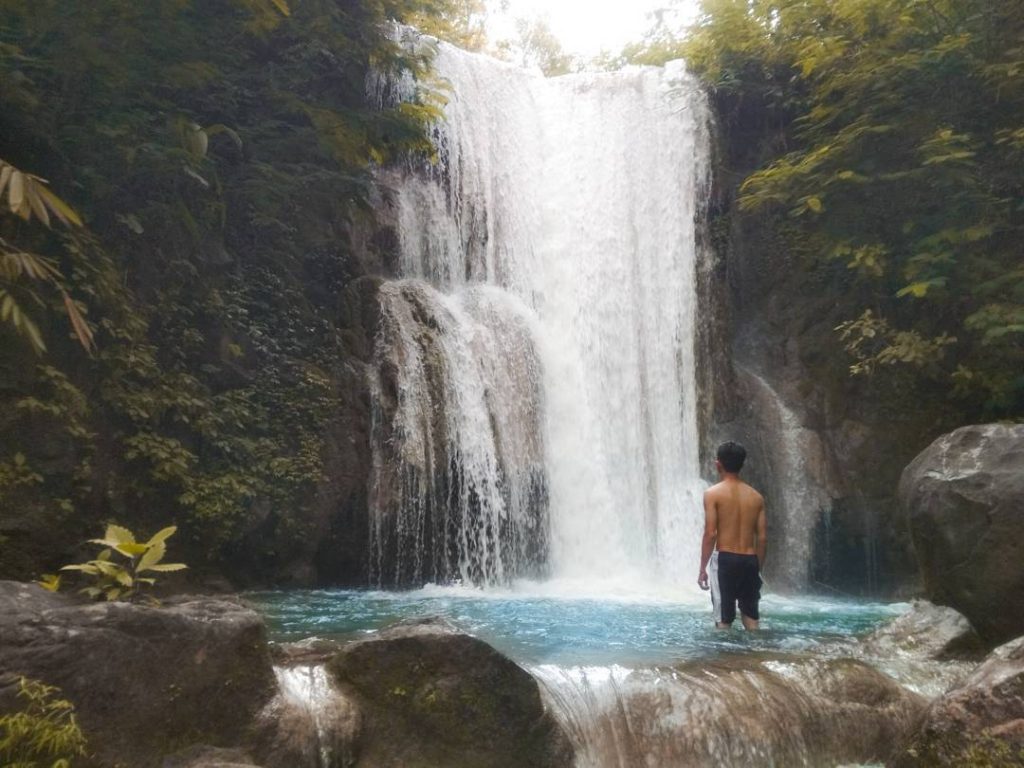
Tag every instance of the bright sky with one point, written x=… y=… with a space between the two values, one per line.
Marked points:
x=585 y=27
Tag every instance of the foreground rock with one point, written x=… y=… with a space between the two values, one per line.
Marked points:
x=964 y=496
x=309 y=724
x=979 y=723
x=146 y=682
x=734 y=712
x=433 y=697
x=926 y=631
x=209 y=757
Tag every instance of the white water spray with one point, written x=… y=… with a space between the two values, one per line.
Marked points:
x=554 y=433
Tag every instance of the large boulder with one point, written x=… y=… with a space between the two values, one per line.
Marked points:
x=926 y=631
x=964 y=497
x=979 y=723
x=145 y=681
x=434 y=698
x=202 y=756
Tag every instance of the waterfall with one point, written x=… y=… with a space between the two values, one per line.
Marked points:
x=534 y=396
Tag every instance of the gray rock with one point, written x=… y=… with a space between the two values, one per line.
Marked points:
x=979 y=723
x=432 y=697
x=964 y=497
x=145 y=681
x=926 y=631
x=202 y=756
x=309 y=724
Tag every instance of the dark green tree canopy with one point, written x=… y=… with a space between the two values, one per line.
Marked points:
x=894 y=133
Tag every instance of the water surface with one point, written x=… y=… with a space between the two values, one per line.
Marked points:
x=535 y=627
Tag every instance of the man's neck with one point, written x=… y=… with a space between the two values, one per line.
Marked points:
x=732 y=477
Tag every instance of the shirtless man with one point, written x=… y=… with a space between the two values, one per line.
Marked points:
x=734 y=520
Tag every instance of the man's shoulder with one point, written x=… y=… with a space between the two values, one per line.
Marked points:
x=755 y=493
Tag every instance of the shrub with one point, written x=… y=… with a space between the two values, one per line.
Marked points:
x=45 y=734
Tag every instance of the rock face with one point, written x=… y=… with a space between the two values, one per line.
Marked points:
x=146 y=682
x=964 y=498
x=431 y=697
x=979 y=723
x=926 y=631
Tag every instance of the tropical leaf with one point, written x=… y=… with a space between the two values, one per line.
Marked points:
x=153 y=555
x=106 y=567
x=213 y=130
x=119 y=534
x=132 y=550
x=162 y=535
x=16 y=195
x=62 y=210
x=79 y=325
x=168 y=567
x=28 y=195
x=49 y=581
x=83 y=567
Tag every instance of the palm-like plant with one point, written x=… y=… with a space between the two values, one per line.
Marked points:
x=29 y=197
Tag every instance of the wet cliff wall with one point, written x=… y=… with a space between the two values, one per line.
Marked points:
x=227 y=234
x=825 y=447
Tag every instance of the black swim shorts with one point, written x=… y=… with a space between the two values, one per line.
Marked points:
x=734 y=578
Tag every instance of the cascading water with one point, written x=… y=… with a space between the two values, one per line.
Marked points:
x=461 y=378
x=534 y=415
x=534 y=393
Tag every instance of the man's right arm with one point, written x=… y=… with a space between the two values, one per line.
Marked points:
x=762 y=537
x=707 y=544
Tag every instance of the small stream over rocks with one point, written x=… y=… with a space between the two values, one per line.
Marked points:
x=460 y=678
x=648 y=682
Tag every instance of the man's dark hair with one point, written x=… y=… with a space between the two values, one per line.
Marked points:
x=732 y=455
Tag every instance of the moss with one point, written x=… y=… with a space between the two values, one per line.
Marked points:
x=963 y=750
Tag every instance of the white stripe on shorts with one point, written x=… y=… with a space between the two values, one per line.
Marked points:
x=716 y=592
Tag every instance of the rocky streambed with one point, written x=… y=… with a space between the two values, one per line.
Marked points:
x=195 y=682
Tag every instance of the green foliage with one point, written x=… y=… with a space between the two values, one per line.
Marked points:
x=113 y=581
x=535 y=45
x=28 y=197
x=50 y=582
x=975 y=750
x=219 y=153
x=44 y=733
x=894 y=143
x=460 y=22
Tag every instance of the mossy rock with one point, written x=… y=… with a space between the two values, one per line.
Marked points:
x=145 y=681
x=434 y=697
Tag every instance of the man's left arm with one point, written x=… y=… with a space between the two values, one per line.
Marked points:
x=762 y=537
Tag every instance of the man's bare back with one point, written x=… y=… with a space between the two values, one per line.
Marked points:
x=738 y=511
x=735 y=541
